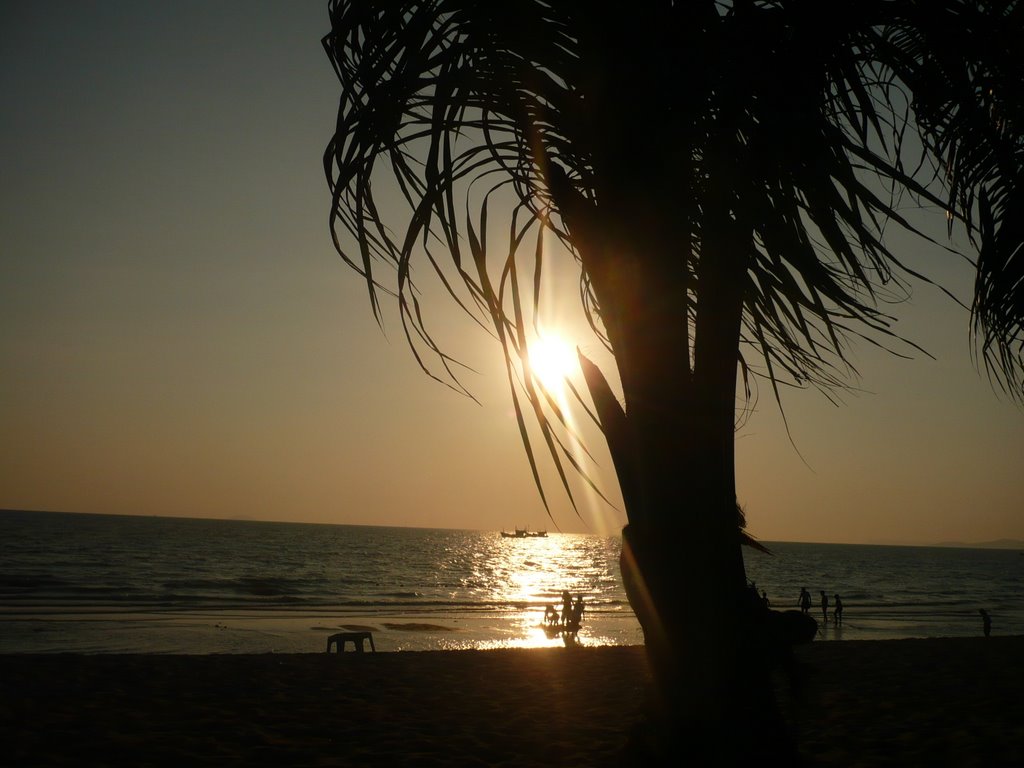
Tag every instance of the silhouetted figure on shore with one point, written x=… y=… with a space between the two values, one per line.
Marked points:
x=576 y=619
x=824 y=607
x=568 y=622
x=805 y=600
x=986 y=621
x=838 y=611
x=764 y=599
x=566 y=606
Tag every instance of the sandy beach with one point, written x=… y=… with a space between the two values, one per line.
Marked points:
x=953 y=702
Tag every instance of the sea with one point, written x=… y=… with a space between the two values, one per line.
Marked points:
x=133 y=584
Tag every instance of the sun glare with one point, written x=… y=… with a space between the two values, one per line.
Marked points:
x=553 y=360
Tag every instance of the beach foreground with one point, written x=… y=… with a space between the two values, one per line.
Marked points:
x=950 y=702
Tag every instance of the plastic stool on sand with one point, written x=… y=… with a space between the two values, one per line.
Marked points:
x=356 y=638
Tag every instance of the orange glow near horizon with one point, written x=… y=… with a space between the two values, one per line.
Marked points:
x=234 y=369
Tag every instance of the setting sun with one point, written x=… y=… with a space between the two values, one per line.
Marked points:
x=553 y=360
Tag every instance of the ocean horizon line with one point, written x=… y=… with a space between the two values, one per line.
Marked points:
x=999 y=543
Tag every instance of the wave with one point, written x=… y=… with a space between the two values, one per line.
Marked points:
x=81 y=564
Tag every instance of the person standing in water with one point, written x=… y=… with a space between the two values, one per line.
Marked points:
x=824 y=607
x=838 y=612
x=805 y=600
x=577 y=612
x=986 y=622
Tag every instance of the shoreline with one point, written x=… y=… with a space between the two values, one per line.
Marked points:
x=940 y=701
x=248 y=632
x=102 y=630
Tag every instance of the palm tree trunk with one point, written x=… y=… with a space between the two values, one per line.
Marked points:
x=681 y=563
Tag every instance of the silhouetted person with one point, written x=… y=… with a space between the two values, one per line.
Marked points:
x=550 y=615
x=986 y=621
x=764 y=599
x=838 y=612
x=824 y=607
x=566 y=606
x=805 y=600
x=577 y=613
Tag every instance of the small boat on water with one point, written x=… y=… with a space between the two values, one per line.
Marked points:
x=522 y=533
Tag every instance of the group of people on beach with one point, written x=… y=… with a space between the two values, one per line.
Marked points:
x=837 y=606
x=571 y=617
x=837 y=609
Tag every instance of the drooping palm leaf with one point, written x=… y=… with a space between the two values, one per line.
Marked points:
x=809 y=124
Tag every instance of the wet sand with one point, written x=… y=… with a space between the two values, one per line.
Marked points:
x=954 y=702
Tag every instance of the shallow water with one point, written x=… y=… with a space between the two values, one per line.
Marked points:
x=95 y=583
x=894 y=592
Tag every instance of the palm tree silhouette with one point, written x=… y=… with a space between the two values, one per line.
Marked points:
x=723 y=173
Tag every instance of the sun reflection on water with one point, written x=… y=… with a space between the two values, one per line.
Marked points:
x=526 y=575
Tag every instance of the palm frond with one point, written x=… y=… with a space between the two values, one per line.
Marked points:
x=622 y=134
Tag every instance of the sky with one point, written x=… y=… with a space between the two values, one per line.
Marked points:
x=179 y=337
